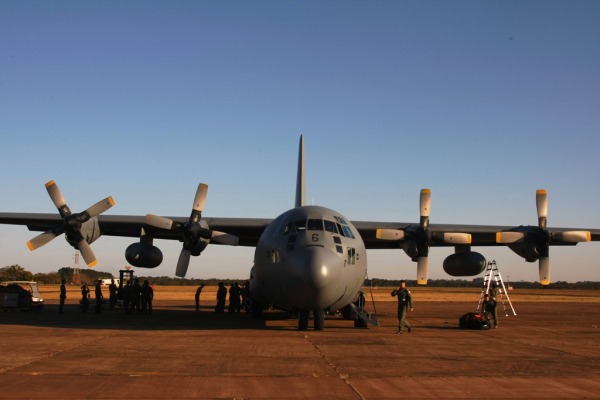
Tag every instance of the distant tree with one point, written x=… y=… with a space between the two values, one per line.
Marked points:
x=15 y=273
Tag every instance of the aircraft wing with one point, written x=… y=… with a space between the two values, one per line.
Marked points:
x=248 y=230
x=481 y=235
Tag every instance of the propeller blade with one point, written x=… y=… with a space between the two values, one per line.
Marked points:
x=541 y=199
x=100 y=207
x=224 y=238
x=200 y=198
x=87 y=253
x=159 y=222
x=183 y=263
x=509 y=237
x=572 y=236
x=457 y=238
x=422 y=270
x=544 y=263
x=55 y=194
x=389 y=234
x=40 y=240
x=425 y=206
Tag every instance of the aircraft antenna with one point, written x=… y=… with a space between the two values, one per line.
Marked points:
x=75 y=279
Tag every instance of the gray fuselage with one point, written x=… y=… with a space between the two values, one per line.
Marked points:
x=309 y=258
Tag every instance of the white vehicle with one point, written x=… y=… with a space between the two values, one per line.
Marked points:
x=22 y=295
x=106 y=282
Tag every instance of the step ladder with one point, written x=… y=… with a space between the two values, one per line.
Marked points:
x=492 y=273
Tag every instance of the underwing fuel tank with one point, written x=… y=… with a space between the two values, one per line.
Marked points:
x=468 y=263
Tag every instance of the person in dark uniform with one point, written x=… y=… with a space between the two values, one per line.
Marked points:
x=493 y=291
x=147 y=296
x=127 y=297
x=489 y=307
x=234 y=298
x=63 y=296
x=221 y=297
x=136 y=297
x=99 y=297
x=112 y=295
x=404 y=303
x=85 y=294
x=197 y=296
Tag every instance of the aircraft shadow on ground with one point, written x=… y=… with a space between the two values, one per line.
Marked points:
x=181 y=318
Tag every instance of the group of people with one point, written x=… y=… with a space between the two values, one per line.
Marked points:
x=137 y=299
x=237 y=297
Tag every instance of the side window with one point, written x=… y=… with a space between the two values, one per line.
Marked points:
x=351 y=255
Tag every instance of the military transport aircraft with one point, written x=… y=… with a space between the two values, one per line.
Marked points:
x=308 y=259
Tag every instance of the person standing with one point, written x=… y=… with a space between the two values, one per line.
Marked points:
x=112 y=295
x=404 y=303
x=63 y=296
x=99 y=297
x=147 y=296
x=197 y=296
x=85 y=294
x=489 y=307
x=221 y=297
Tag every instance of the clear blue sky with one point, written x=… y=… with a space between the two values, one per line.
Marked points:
x=482 y=101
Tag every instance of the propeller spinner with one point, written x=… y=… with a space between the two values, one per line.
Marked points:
x=71 y=224
x=195 y=233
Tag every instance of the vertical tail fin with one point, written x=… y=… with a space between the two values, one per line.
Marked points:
x=300 y=180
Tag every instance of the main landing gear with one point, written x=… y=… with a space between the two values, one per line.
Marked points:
x=318 y=319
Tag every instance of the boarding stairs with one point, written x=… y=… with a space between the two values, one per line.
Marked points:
x=365 y=315
x=492 y=273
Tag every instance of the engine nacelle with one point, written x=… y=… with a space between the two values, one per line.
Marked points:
x=527 y=250
x=468 y=263
x=143 y=255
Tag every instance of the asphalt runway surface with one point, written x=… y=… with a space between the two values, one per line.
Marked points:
x=549 y=350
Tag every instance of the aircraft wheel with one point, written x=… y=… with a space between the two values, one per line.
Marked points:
x=319 y=319
x=303 y=320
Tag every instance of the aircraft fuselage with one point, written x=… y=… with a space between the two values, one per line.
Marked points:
x=309 y=258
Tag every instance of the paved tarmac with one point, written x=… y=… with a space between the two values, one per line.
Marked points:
x=547 y=351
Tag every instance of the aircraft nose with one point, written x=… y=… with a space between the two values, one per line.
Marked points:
x=320 y=266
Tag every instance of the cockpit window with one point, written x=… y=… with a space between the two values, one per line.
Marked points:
x=314 y=225
x=330 y=226
x=343 y=227
x=300 y=225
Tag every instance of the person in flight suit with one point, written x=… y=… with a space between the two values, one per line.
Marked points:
x=489 y=307
x=63 y=296
x=404 y=303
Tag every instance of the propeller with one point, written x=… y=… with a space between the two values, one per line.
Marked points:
x=195 y=233
x=71 y=224
x=540 y=238
x=416 y=239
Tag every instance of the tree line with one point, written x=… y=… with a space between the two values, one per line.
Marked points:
x=18 y=273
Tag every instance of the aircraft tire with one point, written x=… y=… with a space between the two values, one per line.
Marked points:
x=303 y=320
x=319 y=321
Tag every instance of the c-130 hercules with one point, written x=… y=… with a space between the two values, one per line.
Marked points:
x=308 y=259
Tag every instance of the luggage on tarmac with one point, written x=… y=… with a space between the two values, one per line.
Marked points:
x=473 y=320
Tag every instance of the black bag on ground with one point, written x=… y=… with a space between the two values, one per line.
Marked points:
x=473 y=321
